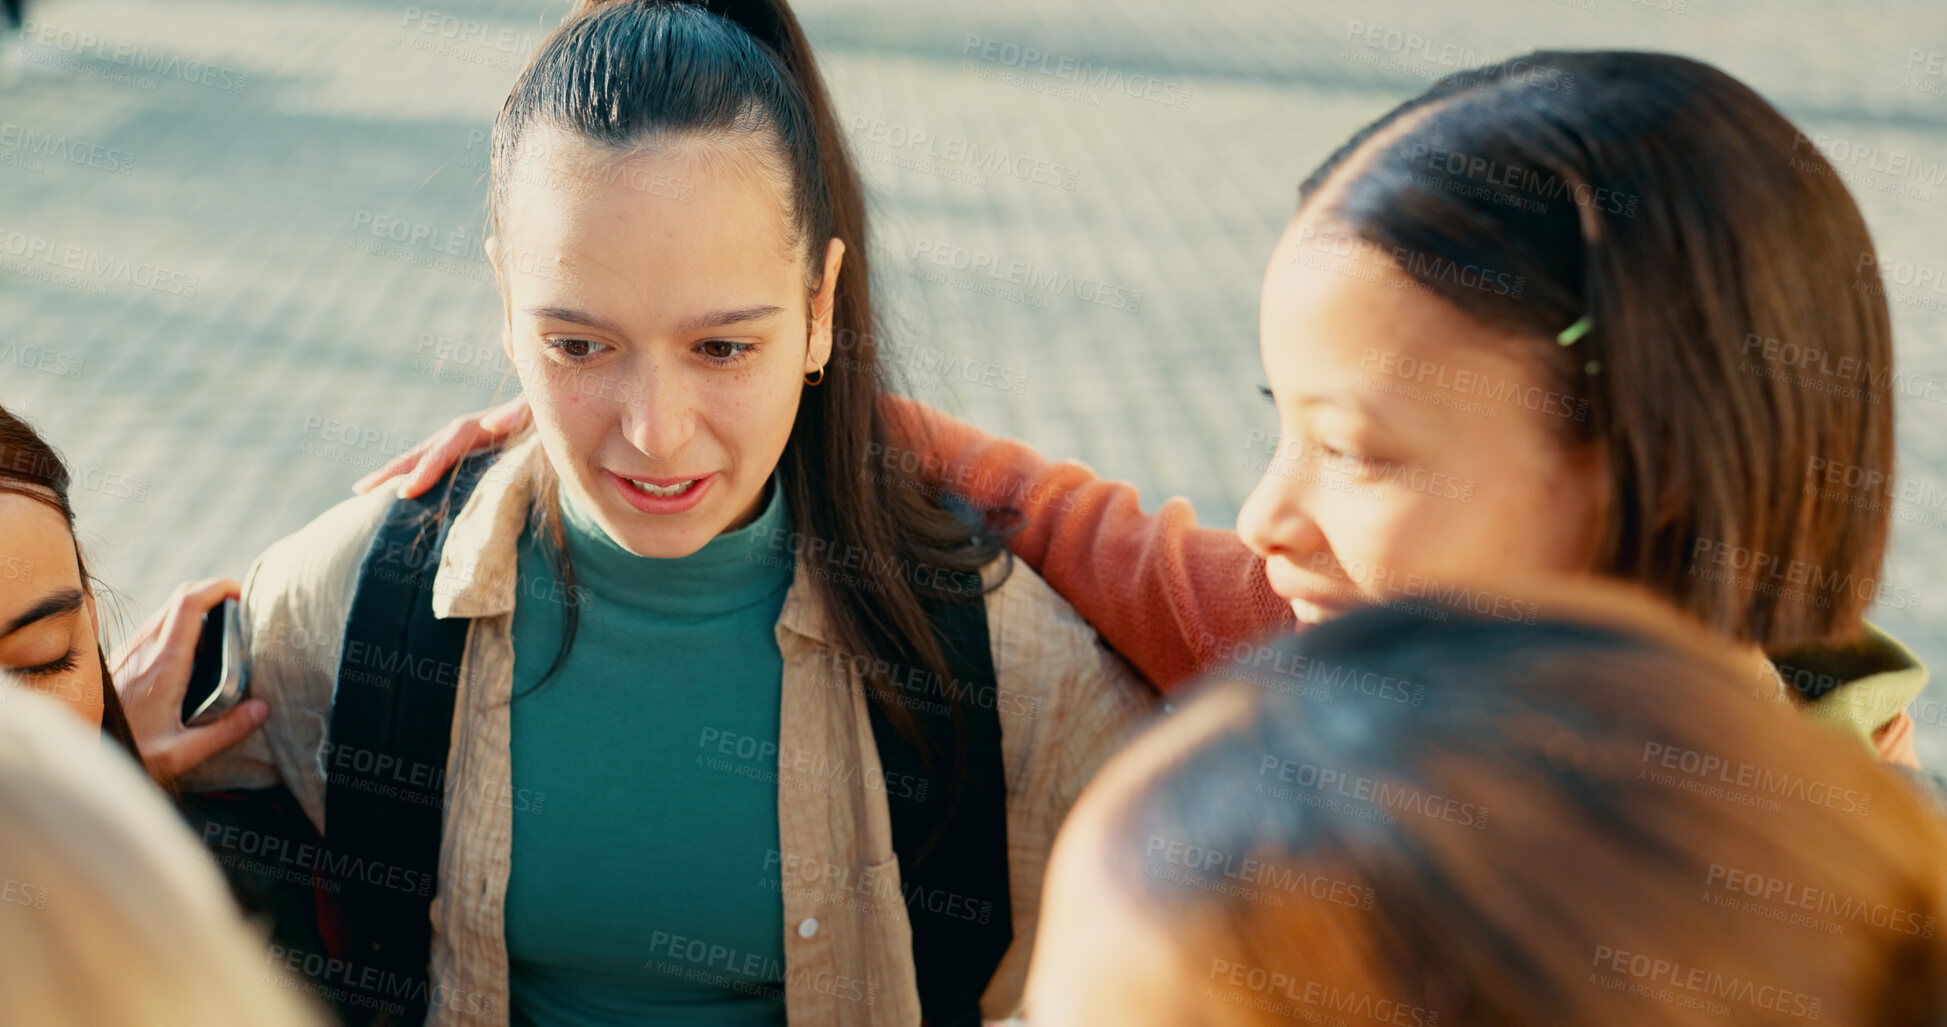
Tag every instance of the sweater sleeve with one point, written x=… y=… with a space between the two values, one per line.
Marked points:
x=1173 y=598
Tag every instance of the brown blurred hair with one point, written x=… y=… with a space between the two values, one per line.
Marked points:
x=1527 y=802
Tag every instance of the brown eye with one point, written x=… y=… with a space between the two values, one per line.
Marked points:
x=723 y=351
x=575 y=351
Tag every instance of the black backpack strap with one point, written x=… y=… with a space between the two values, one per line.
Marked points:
x=953 y=858
x=391 y=720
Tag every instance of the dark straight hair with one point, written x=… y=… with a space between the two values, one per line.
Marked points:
x=30 y=467
x=1708 y=242
x=625 y=75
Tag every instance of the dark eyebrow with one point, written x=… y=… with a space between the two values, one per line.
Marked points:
x=49 y=606
x=573 y=317
x=725 y=318
x=701 y=322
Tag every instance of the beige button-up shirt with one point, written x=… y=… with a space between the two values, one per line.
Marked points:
x=1065 y=702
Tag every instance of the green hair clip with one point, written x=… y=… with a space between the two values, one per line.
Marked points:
x=1573 y=333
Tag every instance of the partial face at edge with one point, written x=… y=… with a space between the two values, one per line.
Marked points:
x=661 y=324
x=1414 y=443
x=48 y=638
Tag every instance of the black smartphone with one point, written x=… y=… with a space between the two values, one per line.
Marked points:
x=219 y=676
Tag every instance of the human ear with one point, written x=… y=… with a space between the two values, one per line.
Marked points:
x=823 y=304
x=492 y=246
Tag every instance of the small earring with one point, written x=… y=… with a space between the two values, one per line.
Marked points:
x=815 y=377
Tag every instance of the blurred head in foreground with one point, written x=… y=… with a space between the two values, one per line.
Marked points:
x=109 y=911
x=1415 y=819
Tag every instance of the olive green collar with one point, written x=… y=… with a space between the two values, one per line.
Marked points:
x=1857 y=687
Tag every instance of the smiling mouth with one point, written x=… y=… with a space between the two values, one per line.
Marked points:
x=669 y=491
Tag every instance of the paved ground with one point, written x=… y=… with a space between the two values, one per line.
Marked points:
x=249 y=268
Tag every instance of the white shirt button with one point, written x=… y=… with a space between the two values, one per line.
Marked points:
x=807 y=927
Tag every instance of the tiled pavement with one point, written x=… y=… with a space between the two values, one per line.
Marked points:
x=251 y=270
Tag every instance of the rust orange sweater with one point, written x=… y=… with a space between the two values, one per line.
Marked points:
x=1171 y=597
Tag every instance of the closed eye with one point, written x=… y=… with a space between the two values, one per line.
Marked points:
x=52 y=667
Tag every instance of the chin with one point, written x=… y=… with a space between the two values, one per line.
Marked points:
x=1311 y=613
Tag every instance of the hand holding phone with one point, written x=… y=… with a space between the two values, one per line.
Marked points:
x=179 y=675
x=220 y=674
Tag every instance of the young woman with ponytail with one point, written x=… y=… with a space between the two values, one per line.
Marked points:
x=1550 y=315
x=688 y=595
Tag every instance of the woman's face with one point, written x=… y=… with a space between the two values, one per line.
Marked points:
x=47 y=615
x=1416 y=451
x=659 y=320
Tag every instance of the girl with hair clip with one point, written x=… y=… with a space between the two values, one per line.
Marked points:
x=1541 y=317
x=1531 y=830
x=688 y=605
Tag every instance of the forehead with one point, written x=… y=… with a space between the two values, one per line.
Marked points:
x=1340 y=308
x=36 y=550
x=678 y=199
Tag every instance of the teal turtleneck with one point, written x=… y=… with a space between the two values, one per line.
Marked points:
x=645 y=885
